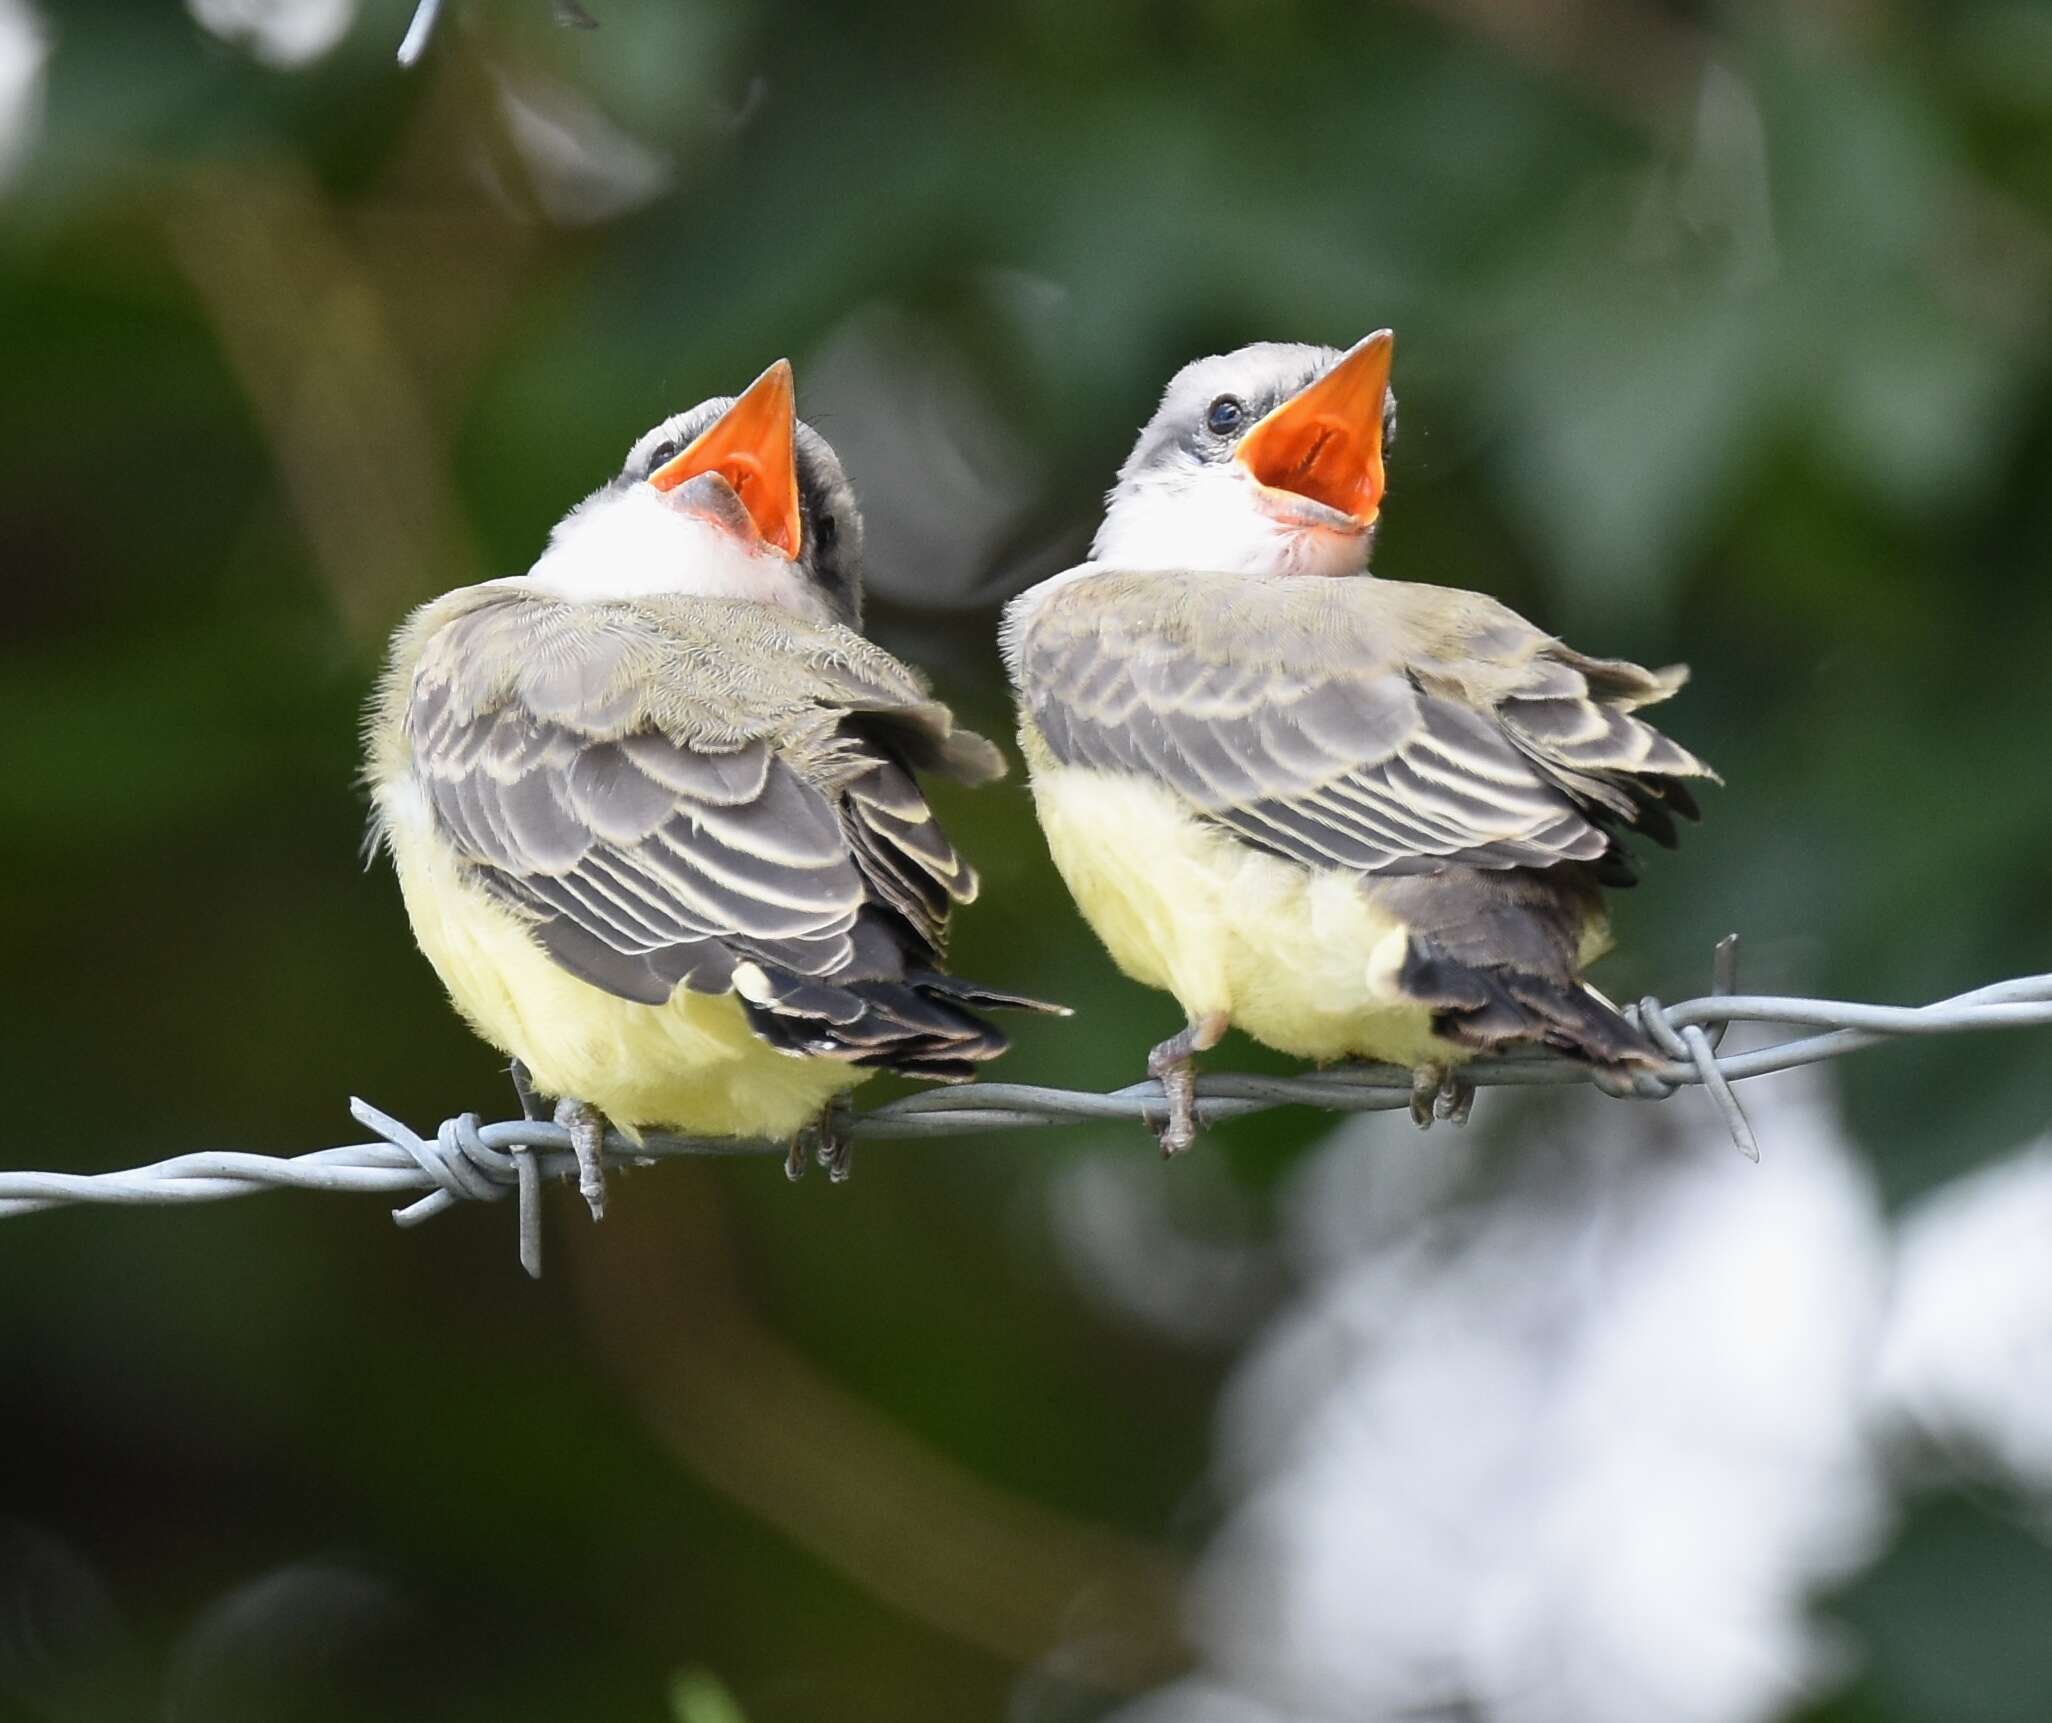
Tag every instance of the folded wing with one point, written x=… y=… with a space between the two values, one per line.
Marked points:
x=1356 y=724
x=718 y=802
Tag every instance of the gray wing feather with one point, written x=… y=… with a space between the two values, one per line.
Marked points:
x=644 y=858
x=1347 y=724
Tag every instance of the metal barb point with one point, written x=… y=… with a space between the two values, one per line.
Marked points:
x=1692 y=1046
x=1723 y=980
x=414 y=43
x=529 y=1175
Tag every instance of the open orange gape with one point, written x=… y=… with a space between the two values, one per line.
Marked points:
x=1324 y=444
x=753 y=446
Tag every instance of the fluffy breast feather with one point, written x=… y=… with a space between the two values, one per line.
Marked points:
x=1301 y=960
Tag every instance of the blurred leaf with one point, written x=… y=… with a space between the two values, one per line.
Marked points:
x=63 y=1643
x=697 y=1696
x=280 y=1647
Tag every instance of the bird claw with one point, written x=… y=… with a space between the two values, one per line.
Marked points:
x=1438 y=1093
x=836 y=1152
x=1179 y=1130
x=587 y=1128
x=1424 y=1094
x=1456 y=1100
x=827 y=1141
x=1171 y=1065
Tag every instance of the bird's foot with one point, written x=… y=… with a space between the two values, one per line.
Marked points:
x=1173 y=1066
x=587 y=1128
x=1439 y=1092
x=826 y=1140
x=1456 y=1100
x=1178 y=1079
x=523 y=1087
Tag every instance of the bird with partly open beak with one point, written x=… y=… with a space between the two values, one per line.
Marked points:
x=1352 y=817
x=652 y=803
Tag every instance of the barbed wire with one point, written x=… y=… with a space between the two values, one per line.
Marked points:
x=466 y=1160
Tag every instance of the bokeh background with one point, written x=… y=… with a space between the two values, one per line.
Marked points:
x=1723 y=335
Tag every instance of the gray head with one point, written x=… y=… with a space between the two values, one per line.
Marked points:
x=1265 y=460
x=733 y=498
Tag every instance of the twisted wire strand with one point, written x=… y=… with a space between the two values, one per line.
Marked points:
x=466 y=1160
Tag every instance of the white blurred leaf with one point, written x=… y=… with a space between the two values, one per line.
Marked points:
x=287 y=34
x=1968 y=1357
x=1134 y=1256
x=24 y=52
x=580 y=166
x=1577 y=1450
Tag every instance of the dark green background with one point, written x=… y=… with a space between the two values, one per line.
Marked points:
x=1722 y=336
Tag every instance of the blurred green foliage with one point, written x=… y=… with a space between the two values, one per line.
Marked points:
x=1723 y=336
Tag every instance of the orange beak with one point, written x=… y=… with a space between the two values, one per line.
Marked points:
x=753 y=446
x=1325 y=443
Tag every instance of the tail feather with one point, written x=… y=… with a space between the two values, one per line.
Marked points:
x=922 y=1025
x=1496 y=958
x=1487 y=1006
x=974 y=993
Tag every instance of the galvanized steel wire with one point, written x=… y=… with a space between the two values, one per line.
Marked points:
x=467 y=1160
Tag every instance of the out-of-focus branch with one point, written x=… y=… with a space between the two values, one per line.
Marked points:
x=738 y=1407
x=350 y=433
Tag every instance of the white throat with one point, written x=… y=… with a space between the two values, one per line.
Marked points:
x=1209 y=518
x=1204 y=521
x=634 y=544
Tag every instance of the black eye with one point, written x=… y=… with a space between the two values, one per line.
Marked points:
x=827 y=529
x=1222 y=418
x=661 y=456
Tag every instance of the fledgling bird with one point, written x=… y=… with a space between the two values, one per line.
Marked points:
x=1353 y=817
x=652 y=803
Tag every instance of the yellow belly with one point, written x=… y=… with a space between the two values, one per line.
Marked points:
x=692 y=1064
x=1302 y=960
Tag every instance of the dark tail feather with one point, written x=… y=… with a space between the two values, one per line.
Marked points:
x=921 y=1026
x=1490 y=1006
x=980 y=997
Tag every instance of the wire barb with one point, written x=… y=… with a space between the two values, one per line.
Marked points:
x=466 y=1161
x=414 y=43
x=568 y=13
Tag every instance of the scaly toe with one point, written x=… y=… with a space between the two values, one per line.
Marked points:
x=587 y=1128
x=1455 y=1101
x=1425 y=1096
x=836 y=1152
x=828 y=1140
